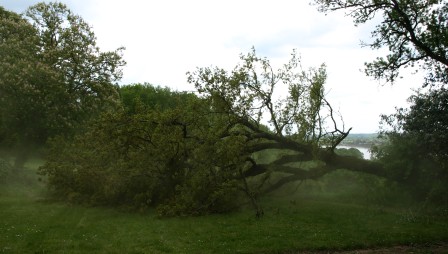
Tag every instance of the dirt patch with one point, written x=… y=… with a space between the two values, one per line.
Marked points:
x=433 y=248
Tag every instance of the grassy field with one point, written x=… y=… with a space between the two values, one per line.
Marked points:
x=32 y=224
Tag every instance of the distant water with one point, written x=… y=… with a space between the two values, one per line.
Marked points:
x=364 y=151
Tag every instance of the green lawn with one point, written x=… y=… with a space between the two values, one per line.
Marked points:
x=31 y=224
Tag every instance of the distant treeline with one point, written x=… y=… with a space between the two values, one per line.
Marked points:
x=366 y=140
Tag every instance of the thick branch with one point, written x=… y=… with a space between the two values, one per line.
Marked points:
x=353 y=164
x=255 y=170
x=413 y=36
x=330 y=160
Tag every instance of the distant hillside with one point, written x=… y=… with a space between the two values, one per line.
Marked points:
x=361 y=139
x=363 y=135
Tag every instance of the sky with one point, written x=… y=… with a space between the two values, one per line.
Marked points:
x=166 y=39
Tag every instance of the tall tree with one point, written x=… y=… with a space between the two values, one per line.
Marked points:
x=25 y=82
x=68 y=45
x=414 y=31
x=53 y=76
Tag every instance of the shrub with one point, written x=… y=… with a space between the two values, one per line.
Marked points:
x=143 y=160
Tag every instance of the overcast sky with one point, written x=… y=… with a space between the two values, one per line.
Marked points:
x=165 y=39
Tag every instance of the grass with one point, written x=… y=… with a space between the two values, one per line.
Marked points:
x=31 y=224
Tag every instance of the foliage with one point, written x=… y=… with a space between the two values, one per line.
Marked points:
x=251 y=90
x=69 y=44
x=427 y=119
x=414 y=31
x=168 y=158
x=53 y=77
x=141 y=97
x=349 y=152
x=19 y=73
x=416 y=151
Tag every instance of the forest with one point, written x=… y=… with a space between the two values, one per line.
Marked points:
x=236 y=166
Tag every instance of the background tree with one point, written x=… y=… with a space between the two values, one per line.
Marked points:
x=138 y=97
x=53 y=76
x=416 y=148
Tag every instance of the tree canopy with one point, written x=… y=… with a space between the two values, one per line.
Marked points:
x=427 y=119
x=53 y=77
x=141 y=97
x=415 y=150
x=414 y=31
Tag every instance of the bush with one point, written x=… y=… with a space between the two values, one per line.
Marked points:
x=416 y=150
x=143 y=160
x=423 y=177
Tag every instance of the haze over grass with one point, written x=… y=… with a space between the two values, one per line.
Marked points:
x=311 y=218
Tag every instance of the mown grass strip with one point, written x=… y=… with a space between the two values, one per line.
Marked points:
x=32 y=225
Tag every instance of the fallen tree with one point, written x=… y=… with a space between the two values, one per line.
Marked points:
x=302 y=122
x=200 y=155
